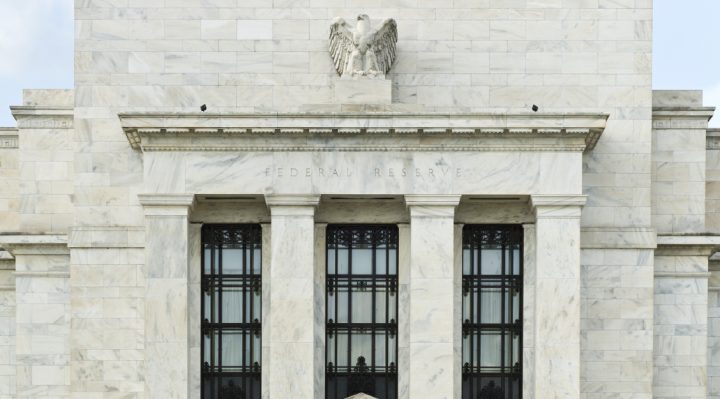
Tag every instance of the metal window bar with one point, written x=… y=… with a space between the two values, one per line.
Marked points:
x=492 y=312
x=362 y=306
x=231 y=311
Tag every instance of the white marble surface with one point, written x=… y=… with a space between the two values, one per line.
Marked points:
x=681 y=325
x=370 y=173
x=363 y=91
x=679 y=162
x=42 y=321
x=529 y=301
x=557 y=272
x=167 y=287
x=292 y=321
x=433 y=362
x=496 y=57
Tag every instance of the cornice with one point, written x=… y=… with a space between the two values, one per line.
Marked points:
x=167 y=204
x=678 y=245
x=688 y=112
x=681 y=117
x=8 y=137
x=363 y=132
x=42 y=244
x=42 y=117
x=712 y=139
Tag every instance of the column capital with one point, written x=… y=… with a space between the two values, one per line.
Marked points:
x=432 y=206
x=432 y=200
x=35 y=244
x=167 y=204
x=557 y=200
x=557 y=206
x=292 y=204
x=292 y=200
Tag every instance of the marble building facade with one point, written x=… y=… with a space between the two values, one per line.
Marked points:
x=108 y=189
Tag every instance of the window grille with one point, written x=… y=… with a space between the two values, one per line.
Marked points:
x=231 y=311
x=492 y=295
x=361 y=303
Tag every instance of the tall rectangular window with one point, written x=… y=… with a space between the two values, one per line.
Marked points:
x=231 y=311
x=492 y=312
x=362 y=306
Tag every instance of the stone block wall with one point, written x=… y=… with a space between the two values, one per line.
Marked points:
x=466 y=55
x=108 y=312
x=46 y=160
x=712 y=181
x=7 y=326
x=480 y=56
x=713 y=371
x=9 y=180
x=42 y=317
x=680 y=326
x=252 y=55
x=617 y=319
x=679 y=149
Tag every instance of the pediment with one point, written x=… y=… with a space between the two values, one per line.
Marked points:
x=380 y=131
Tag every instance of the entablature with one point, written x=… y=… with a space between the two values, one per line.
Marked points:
x=362 y=131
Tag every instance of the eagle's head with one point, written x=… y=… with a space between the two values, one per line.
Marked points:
x=363 y=17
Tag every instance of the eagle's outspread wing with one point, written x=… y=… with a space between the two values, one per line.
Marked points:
x=341 y=44
x=385 y=45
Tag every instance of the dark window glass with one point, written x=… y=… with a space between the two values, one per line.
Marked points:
x=231 y=311
x=361 y=344
x=492 y=312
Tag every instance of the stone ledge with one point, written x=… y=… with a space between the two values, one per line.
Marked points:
x=668 y=240
x=687 y=245
x=33 y=239
x=35 y=244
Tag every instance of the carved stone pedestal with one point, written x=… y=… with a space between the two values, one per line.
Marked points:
x=363 y=91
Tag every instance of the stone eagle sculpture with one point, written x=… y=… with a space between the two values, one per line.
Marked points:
x=364 y=52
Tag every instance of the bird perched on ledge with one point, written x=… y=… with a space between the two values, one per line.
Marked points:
x=364 y=52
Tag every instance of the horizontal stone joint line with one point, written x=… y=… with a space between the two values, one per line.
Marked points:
x=682 y=274
x=41 y=274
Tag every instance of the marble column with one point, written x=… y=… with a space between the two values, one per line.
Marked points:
x=265 y=332
x=433 y=364
x=528 y=341
x=557 y=295
x=167 y=260
x=292 y=319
